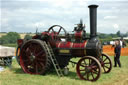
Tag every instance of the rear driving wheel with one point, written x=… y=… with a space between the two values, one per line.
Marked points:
x=33 y=57
x=88 y=68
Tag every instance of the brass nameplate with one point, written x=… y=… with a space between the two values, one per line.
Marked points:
x=64 y=51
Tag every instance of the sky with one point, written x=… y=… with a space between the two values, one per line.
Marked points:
x=27 y=15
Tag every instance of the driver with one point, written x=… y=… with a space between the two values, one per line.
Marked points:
x=79 y=26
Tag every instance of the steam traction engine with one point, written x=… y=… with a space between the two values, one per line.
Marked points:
x=53 y=49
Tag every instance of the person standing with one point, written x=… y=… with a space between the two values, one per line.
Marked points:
x=117 y=51
x=121 y=43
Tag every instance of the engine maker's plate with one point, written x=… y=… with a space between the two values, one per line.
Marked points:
x=64 y=51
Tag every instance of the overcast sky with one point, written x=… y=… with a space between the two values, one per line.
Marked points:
x=26 y=15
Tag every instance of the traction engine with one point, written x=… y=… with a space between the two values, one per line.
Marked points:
x=54 y=49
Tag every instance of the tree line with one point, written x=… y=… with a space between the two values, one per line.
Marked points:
x=11 y=37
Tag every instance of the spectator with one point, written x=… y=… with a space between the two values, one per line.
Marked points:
x=117 y=51
x=121 y=43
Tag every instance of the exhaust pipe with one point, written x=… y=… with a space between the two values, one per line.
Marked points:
x=93 y=20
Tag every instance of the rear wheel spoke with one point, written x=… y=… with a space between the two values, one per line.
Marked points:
x=40 y=60
x=36 y=68
x=40 y=53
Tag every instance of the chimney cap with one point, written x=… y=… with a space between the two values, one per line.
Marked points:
x=93 y=6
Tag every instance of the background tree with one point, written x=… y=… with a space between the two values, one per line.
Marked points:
x=10 y=38
x=118 y=34
x=27 y=37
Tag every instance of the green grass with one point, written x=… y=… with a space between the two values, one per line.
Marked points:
x=15 y=76
x=10 y=45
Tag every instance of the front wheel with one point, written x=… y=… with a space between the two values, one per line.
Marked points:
x=106 y=63
x=88 y=68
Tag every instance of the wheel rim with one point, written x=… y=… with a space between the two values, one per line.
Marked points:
x=33 y=58
x=88 y=68
x=106 y=63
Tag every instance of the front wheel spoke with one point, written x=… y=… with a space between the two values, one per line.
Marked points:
x=105 y=59
x=85 y=62
x=82 y=65
x=95 y=71
x=87 y=76
x=94 y=67
x=107 y=63
x=82 y=70
x=84 y=75
x=92 y=75
x=106 y=67
x=93 y=63
x=102 y=57
x=89 y=61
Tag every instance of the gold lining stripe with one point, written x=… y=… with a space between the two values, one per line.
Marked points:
x=85 y=43
x=85 y=47
x=59 y=44
x=71 y=45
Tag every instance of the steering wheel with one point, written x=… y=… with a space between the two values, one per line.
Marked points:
x=55 y=34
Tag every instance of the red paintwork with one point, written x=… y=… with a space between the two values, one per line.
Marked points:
x=20 y=42
x=52 y=34
x=79 y=45
x=78 y=34
x=71 y=45
x=64 y=44
x=43 y=33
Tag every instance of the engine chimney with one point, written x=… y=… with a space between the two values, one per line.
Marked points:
x=93 y=20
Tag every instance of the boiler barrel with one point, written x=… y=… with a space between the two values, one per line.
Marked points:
x=77 y=49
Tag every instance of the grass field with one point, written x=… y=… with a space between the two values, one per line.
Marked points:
x=10 y=45
x=15 y=76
